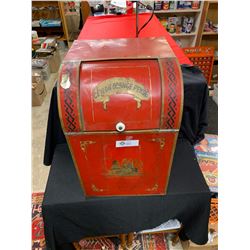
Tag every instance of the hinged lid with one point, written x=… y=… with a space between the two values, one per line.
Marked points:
x=136 y=82
x=123 y=48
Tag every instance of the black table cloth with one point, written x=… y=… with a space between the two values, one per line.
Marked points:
x=69 y=215
x=194 y=119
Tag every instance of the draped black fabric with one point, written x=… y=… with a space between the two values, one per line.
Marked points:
x=194 y=119
x=69 y=216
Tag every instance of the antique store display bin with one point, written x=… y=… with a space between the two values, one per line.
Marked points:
x=120 y=104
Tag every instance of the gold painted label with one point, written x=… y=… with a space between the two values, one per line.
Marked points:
x=120 y=85
x=126 y=168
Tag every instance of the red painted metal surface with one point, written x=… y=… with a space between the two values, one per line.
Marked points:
x=116 y=26
x=109 y=170
x=139 y=86
x=121 y=107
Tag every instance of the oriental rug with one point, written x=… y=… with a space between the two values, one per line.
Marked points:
x=38 y=241
x=156 y=241
x=207 y=155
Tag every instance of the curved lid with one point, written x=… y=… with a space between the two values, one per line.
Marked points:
x=103 y=49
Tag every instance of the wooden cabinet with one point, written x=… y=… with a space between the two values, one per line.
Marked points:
x=210 y=38
x=50 y=10
x=184 y=39
x=210 y=13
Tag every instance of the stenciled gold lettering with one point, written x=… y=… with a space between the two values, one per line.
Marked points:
x=120 y=85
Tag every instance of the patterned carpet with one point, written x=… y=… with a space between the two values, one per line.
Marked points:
x=207 y=155
x=38 y=241
x=157 y=241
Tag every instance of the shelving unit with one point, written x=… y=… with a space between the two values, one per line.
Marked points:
x=205 y=38
x=44 y=7
x=178 y=11
x=210 y=33
x=184 y=39
x=183 y=34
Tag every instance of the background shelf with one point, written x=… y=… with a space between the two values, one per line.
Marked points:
x=177 y=11
x=210 y=33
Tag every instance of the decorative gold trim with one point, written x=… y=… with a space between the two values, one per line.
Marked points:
x=79 y=106
x=178 y=125
x=120 y=85
x=126 y=168
x=150 y=86
x=75 y=164
x=124 y=132
x=59 y=99
x=123 y=66
x=160 y=140
x=91 y=95
x=182 y=93
x=154 y=188
x=162 y=92
x=96 y=189
x=171 y=161
x=84 y=144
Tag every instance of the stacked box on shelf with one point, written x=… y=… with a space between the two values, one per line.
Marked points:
x=203 y=57
x=173 y=5
x=49 y=52
x=52 y=56
x=178 y=24
x=37 y=44
x=38 y=89
x=41 y=66
x=45 y=10
x=50 y=23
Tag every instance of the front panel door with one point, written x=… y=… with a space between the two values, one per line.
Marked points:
x=123 y=164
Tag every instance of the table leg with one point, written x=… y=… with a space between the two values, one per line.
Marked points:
x=123 y=240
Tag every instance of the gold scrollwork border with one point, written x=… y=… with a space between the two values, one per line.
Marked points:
x=162 y=141
x=84 y=144
x=96 y=189
x=154 y=188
